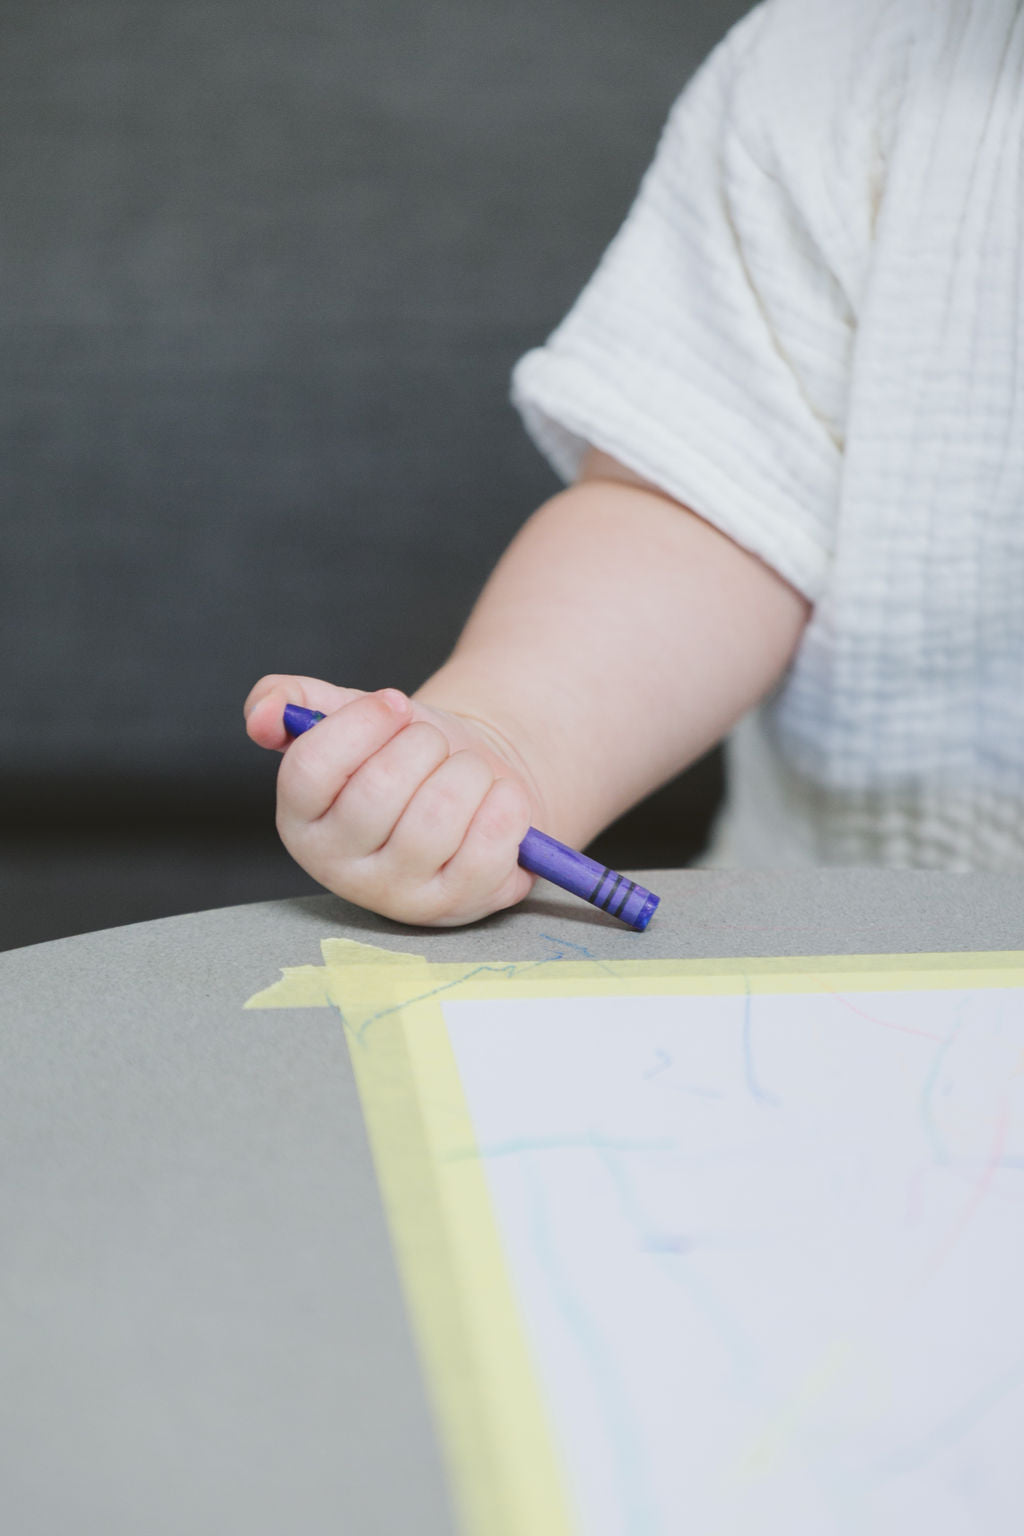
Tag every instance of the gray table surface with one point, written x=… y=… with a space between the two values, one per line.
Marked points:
x=201 y=1329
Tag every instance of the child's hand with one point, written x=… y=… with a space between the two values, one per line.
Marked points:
x=409 y=811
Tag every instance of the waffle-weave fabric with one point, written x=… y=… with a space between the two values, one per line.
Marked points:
x=808 y=330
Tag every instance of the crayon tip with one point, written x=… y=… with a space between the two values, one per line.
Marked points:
x=646 y=912
x=297 y=719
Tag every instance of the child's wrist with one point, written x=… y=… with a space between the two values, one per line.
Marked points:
x=505 y=737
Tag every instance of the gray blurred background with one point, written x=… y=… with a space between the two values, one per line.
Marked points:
x=265 y=271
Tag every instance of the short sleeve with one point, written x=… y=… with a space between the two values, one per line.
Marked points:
x=710 y=352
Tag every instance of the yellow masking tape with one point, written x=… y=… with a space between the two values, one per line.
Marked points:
x=494 y=1427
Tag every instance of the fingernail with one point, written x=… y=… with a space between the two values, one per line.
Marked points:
x=395 y=700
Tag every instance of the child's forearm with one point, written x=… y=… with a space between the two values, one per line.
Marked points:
x=619 y=637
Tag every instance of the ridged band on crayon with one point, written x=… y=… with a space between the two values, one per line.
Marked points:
x=546 y=856
x=602 y=887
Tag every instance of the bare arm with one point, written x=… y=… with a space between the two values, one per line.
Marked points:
x=619 y=637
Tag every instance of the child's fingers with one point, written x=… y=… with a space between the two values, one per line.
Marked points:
x=264 y=707
x=312 y=692
x=378 y=792
x=435 y=821
x=485 y=866
x=318 y=764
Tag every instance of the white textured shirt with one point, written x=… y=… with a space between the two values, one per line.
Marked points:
x=809 y=330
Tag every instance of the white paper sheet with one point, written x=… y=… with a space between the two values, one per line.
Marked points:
x=769 y=1253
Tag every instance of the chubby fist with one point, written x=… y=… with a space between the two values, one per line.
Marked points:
x=410 y=811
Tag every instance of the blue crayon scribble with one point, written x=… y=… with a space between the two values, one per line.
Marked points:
x=754 y=1087
x=514 y=968
x=668 y=1247
x=940 y=1150
x=941 y=1437
x=666 y=1242
x=628 y=1453
x=581 y=949
x=662 y=1061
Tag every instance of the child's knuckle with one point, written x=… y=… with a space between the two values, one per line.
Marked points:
x=441 y=805
x=380 y=784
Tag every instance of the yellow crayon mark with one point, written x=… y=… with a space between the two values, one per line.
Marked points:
x=763 y=1455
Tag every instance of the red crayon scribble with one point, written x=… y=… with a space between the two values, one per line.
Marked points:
x=977 y=1196
x=904 y=1029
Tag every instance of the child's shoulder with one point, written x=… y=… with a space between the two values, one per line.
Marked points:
x=827 y=30
x=810 y=91
x=798 y=51
x=786 y=55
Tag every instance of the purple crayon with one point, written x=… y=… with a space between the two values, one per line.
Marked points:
x=545 y=856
